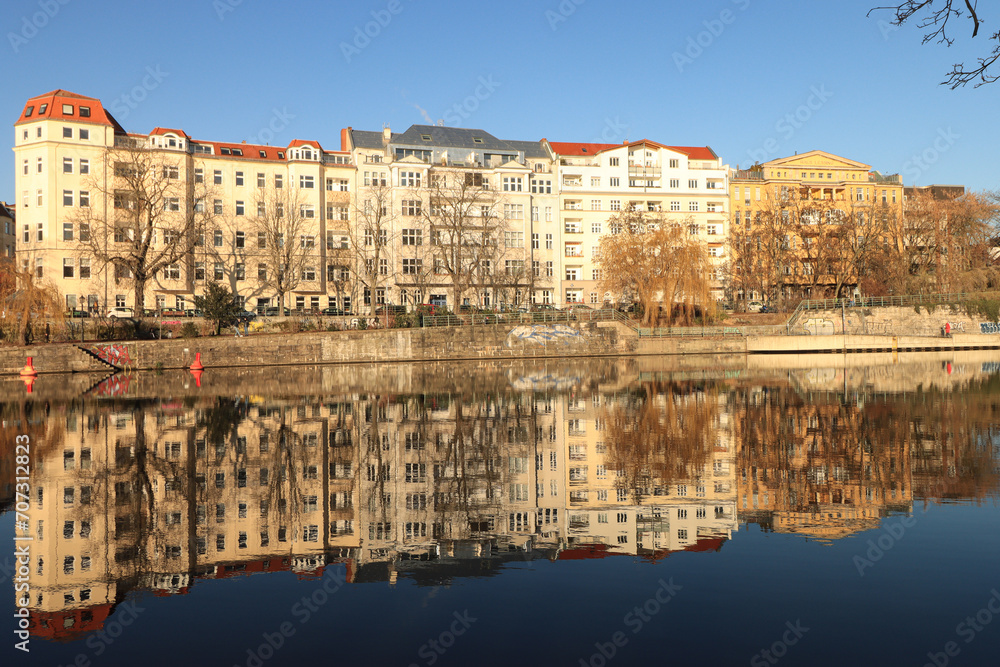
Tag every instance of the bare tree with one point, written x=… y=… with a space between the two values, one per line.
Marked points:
x=469 y=228
x=283 y=236
x=372 y=238
x=153 y=222
x=934 y=20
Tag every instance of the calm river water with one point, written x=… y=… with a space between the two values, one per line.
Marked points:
x=802 y=511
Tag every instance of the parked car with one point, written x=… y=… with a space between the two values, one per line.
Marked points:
x=331 y=311
x=274 y=311
x=754 y=306
x=75 y=313
x=247 y=315
x=172 y=312
x=121 y=311
x=194 y=312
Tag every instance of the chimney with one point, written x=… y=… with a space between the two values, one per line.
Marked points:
x=386 y=135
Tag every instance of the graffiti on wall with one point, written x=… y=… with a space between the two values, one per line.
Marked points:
x=542 y=334
x=115 y=354
x=989 y=327
x=884 y=328
x=818 y=327
x=116 y=385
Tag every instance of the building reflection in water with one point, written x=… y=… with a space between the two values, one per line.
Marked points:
x=154 y=495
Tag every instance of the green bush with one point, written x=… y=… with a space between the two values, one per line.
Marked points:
x=189 y=330
x=987 y=308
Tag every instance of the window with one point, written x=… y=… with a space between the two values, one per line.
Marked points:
x=172 y=272
x=409 y=179
x=693 y=206
x=411 y=207
x=240 y=207
x=67 y=133
x=512 y=183
x=308 y=273
x=413 y=237
x=613 y=162
x=615 y=181
x=513 y=239
x=38 y=165
x=68 y=267
x=85 y=268
x=217 y=177
x=67 y=165
x=595 y=227
x=307 y=211
x=513 y=211
x=541 y=187
x=67 y=231
x=307 y=182
x=412 y=267
x=219 y=271
x=67 y=197
x=171 y=204
x=548 y=242
x=278 y=181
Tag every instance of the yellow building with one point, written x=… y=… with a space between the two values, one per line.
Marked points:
x=8 y=231
x=808 y=225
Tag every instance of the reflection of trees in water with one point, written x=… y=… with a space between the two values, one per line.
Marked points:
x=812 y=450
x=661 y=433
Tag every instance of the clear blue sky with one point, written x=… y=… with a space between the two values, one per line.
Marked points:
x=520 y=69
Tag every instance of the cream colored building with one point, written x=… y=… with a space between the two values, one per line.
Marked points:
x=595 y=181
x=414 y=170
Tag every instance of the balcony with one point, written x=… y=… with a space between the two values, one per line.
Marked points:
x=573 y=206
x=644 y=172
x=746 y=175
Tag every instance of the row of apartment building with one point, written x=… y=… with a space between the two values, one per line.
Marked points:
x=552 y=199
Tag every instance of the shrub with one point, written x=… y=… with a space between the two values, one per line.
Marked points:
x=189 y=330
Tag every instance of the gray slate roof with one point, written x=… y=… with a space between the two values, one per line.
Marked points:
x=449 y=137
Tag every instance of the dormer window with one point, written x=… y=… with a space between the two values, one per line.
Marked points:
x=84 y=112
x=307 y=154
x=281 y=155
x=226 y=151
x=237 y=151
x=477 y=140
x=28 y=111
x=171 y=142
x=425 y=137
x=67 y=109
x=42 y=109
x=263 y=154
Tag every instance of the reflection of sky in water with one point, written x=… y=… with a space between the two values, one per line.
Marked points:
x=539 y=520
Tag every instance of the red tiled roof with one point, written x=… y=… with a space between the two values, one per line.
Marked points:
x=581 y=149
x=251 y=151
x=303 y=142
x=573 y=148
x=695 y=152
x=167 y=130
x=54 y=101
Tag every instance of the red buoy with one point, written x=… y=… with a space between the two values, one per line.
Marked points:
x=196 y=366
x=28 y=381
x=197 y=376
x=28 y=370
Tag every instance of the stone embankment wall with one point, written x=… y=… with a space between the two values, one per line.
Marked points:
x=389 y=345
x=892 y=321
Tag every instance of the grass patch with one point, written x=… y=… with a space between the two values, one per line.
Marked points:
x=989 y=309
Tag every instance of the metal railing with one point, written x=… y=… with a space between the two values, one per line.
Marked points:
x=712 y=331
x=901 y=300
